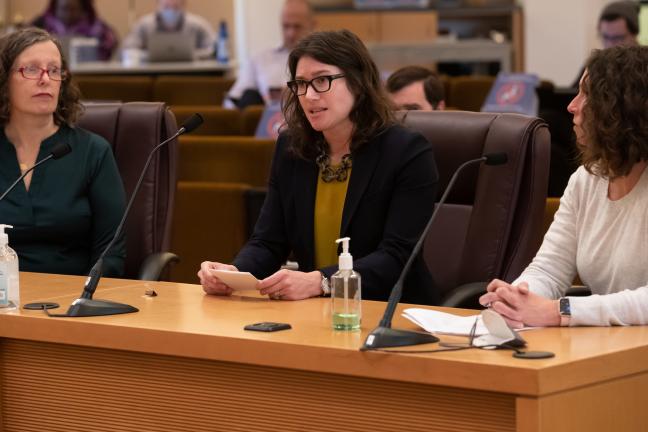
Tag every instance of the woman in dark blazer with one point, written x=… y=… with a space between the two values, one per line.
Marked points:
x=342 y=168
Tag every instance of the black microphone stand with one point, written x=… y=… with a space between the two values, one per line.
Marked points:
x=384 y=336
x=85 y=305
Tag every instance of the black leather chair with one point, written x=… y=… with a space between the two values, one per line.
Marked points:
x=133 y=129
x=492 y=224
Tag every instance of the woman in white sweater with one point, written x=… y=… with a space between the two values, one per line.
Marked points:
x=600 y=230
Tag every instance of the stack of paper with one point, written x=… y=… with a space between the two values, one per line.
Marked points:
x=445 y=323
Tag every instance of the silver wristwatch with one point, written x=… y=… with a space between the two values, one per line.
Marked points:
x=564 y=308
x=326 y=288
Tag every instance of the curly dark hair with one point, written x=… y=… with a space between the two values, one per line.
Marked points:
x=615 y=112
x=12 y=45
x=371 y=112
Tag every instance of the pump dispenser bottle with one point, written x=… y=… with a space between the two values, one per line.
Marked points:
x=9 y=288
x=345 y=292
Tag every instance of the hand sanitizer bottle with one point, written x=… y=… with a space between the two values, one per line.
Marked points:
x=9 y=288
x=345 y=292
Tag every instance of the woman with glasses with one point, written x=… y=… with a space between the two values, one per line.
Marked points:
x=342 y=168
x=65 y=211
x=600 y=231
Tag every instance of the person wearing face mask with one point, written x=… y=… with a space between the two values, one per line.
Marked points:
x=171 y=16
x=66 y=211
x=600 y=231
x=64 y=18
x=262 y=79
x=343 y=167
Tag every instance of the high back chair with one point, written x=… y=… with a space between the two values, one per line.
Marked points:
x=492 y=223
x=133 y=129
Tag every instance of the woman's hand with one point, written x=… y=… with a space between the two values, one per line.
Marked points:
x=211 y=283
x=519 y=306
x=292 y=285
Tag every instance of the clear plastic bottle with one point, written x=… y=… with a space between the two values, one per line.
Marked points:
x=345 y=292
x=222 y=44
x=9 y=284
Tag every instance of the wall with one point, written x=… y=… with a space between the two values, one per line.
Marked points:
x=257 y=26
x=559 y=35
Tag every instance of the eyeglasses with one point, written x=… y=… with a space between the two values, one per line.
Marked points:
x=34 y=72
x=320 y=84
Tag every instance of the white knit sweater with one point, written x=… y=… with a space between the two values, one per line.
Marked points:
x=606 y=242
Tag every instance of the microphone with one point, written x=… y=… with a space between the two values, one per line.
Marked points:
x=384 y=336
x=85 y=305
x=58 y=151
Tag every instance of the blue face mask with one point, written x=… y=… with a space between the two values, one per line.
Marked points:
x=170 y=17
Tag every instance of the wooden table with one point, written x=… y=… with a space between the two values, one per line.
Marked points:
x=184 y=363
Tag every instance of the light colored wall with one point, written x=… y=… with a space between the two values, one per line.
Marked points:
x=559 y=35
x=257 y=26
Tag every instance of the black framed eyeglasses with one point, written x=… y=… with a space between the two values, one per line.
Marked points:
x=34 y=72
x=320 y=84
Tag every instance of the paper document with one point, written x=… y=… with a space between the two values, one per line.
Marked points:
x=239 y=281
x=445 y=323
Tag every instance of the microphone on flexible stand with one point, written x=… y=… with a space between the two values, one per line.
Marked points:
x=58 y=151
x=85 y=305
x=384 y=336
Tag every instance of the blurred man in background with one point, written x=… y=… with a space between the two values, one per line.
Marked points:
x=264 y=77
x=416 y=88
x=171 y=16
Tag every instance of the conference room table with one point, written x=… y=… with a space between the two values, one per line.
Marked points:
x=185 y=363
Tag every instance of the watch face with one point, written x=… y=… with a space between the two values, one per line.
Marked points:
x=565 y=307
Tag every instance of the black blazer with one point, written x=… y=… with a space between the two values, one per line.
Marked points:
x=389 y=200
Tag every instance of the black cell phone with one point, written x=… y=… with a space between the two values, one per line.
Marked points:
x=268 y=326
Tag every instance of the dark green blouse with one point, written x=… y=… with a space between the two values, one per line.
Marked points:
x=73 y=206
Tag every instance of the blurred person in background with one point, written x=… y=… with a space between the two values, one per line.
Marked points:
x=416 y=88
x=171 y=16
x=263 y=78
x=70 y=18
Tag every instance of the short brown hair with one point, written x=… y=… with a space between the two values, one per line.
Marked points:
x=11 y=46
x=432 y=85
x=371 y=112
x=615 y=113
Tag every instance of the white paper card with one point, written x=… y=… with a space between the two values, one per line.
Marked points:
x=239 y=281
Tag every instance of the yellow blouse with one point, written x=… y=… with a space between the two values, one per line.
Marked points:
x=329 y=203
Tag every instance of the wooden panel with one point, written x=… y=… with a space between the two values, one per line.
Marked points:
x=408 y=26
x=593 y=408
x=105 y=390
x=517 y=36
x=364 y=25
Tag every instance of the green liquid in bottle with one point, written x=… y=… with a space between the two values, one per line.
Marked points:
x=346 y=321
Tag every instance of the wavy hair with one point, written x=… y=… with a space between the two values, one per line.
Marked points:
x=371 y=112
x=615 y=112
x=12 y=45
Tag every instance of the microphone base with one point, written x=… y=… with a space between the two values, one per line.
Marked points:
x=383 y=337
x=82 y=307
